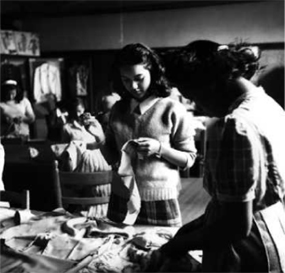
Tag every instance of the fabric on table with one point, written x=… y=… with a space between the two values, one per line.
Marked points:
x=13 y=261
x=152 y=238
x=47 y=248
x=46 y=236
x=65 y=247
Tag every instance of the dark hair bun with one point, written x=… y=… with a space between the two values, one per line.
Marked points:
x=247 y=57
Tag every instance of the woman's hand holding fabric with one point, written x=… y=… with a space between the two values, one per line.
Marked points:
x=18 y=120
x=94 y=128
x=148 y=146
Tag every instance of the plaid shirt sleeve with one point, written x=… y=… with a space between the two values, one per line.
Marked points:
x=237 y=165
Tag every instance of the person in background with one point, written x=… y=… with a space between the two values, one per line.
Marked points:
x=107 y=102
x=74 y=129
x=82 y=154
x=16 y=112
x=160 y=131
x=243 y=227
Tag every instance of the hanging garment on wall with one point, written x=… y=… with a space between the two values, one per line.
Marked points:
x=81 y=80
x=47 y=81
x=78 y=78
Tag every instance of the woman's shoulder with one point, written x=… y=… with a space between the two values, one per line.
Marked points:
x=25 y=101
x=172 y=104
x=4 y=106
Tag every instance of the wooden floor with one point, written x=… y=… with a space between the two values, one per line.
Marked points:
x=193 y=198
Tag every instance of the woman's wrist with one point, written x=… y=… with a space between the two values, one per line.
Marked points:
x=159 y=151
x=27 y=120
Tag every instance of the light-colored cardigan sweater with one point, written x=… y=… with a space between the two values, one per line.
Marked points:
x=166 y=121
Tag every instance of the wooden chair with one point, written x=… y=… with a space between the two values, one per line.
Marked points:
x=16 y=199
x=77 y=188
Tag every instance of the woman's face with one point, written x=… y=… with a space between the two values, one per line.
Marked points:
x=79 y=110
x=12 y=94
x=136 y=79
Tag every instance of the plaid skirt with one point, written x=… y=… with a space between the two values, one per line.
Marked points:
x=158 y=213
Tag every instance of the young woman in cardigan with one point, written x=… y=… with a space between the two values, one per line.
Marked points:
x=162 y=133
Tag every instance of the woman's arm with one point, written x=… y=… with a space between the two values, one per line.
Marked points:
x=229 y=217
x=150 y=146
x=65 y=135
x=176 y=157
x=94 y=127
x=181 y=150
x=29 y=116
x=224 y=223
x=200 y=234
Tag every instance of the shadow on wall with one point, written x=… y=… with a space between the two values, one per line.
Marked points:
x=271 y=78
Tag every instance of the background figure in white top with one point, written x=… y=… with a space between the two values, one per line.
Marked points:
x=16 y=111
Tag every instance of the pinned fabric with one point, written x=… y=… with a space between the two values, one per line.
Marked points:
x=75 y=149
x=69 y=154
x=127 y=176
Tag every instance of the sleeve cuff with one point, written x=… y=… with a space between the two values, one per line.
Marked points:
x=250 y=195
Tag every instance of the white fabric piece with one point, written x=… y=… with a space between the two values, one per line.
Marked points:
x=126 y=173
x=75 y=149
x=2 y=162
x=47 y=81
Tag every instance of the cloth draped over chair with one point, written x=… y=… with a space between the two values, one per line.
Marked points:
x=75 y=157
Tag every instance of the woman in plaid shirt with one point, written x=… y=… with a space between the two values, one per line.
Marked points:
x=243 y=227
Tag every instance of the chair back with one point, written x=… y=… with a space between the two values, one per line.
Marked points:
x=78 y=188
x=16 y=199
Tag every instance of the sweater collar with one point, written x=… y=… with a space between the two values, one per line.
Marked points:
x=144 y=105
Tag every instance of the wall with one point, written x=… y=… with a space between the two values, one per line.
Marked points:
x=260 y=22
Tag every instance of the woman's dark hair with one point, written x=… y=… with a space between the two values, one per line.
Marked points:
x=202 y=62
x=6 y=88
x=138 y=53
